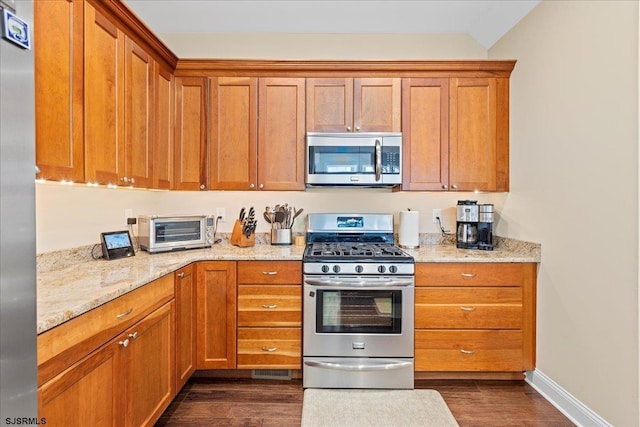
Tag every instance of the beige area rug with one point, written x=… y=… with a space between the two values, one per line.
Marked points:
x=388 y=408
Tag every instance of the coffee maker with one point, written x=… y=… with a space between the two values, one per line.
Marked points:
x=474 y=227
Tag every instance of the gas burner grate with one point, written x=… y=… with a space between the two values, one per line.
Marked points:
x=355 y=250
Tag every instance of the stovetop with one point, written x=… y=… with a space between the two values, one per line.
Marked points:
x=355 y=251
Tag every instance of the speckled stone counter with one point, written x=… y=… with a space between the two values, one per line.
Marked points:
x=71 y=283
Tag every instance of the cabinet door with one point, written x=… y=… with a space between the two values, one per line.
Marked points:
x=376 y=105
x=138 y=114
x=329 y=105
x=185 y=324
x=216 y=315
x=103 y=99
x=473 y=134
x=281 y=134
x=234 y=120
x=191 y=133
x=150 y=367
x=425 y=132
x=88 y=393
x=163 y=127
x=58 y=55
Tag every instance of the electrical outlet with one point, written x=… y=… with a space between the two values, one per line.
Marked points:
x=435 y=214
x=222 y=213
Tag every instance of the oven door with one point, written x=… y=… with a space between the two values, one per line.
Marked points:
x=358 y=316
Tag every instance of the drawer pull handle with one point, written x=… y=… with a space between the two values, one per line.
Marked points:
x=468 y=275
x=463 y=351
x=125 y=314
x=270 y=306
x=269 y=349
x=269 y=273
x=133 y=336
x=181 y=275
x=468 y=308
x=124 y=343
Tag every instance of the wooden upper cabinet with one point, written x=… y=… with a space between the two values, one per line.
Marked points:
x=163 y=156
x=138 y=113
x=353 y=105
x=233 y=113
x=103 y=99
x=425 y=130
x=479 y=142
x=281 y=132
x=58 y=53
x=257 y=133
x=190 y=142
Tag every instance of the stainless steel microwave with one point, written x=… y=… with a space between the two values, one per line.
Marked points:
x=174 y=233
x=354 y=159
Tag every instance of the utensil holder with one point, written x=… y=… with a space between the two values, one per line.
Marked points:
x=281 y=236
x=239 y=239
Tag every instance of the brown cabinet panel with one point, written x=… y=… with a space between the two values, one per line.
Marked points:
x=468 y=316
x=469 y=274
x=425 y=131
x=329 y=104
x=269 y=305
x=233 y=113
x=269 y=348
x=281 y=133
x=376 y=104
x=58 y=55
x=103 y=99
x=163 y=156
x=216 y=315
x=269 y=272
x=191 y=134
x=185 y=291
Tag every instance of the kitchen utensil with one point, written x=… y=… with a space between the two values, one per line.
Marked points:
x=241 y=216
x=296 y=213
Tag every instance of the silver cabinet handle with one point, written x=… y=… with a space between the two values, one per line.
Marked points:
x=269 y=349
x=181 y=275
x=252 y=185
x=124 y=179
x=468 y=308
x=269 y=273
x=468 y=275
x=463 y=351
x=132 y=180
x=348 y=128
x=269 y=306
x=202 y=186
x=455 y=187
x=133 y=336
x=124 y=343
x=357 y=128
x=261 y=186
x=125 y=314
x=445 y=187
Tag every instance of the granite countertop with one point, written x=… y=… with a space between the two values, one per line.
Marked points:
x=70 y=283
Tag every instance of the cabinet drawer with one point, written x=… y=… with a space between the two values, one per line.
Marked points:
x=468 y=308
x=270 y=272
x=469 y=274
x=260 y=305
x=64 y=345
x=498 y=351
x=269 y=347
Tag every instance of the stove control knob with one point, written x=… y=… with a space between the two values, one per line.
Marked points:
x=336 y=269
x=359 y=269
x=381 y=269
x=325 y=268
x=393 y=269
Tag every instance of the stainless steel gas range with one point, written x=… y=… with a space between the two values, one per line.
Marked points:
x=358 y=302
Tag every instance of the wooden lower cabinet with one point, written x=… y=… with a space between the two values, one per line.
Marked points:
x=475 y=317
x=269 y=315
x=127 y=382
x=216 y=315
x=185 y=281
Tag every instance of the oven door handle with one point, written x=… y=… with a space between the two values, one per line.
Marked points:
x=358 y=282
x=364 y=367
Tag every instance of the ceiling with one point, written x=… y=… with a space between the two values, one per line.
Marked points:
x=484 y=20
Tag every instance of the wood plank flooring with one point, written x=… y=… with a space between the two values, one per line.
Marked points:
x=271 y=403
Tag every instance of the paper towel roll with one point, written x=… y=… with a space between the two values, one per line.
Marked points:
x=409 y=230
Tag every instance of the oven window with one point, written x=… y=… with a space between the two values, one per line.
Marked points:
x=180 y=231
x=359 y=311
x=342 y=160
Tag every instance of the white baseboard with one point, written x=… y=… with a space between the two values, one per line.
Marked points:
x=571 y=407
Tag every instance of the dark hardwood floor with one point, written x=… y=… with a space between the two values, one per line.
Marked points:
x=271 y=403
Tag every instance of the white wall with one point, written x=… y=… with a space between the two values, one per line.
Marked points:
x=574 y=188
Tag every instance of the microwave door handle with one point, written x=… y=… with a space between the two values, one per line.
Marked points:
x=378 y=158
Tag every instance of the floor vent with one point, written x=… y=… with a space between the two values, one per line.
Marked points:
x=271 y=374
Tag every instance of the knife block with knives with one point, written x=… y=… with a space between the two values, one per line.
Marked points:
x=243 y=233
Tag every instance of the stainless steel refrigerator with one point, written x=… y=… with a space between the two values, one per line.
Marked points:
x=18 y=374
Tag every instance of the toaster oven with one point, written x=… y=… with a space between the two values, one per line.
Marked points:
x=174 y=233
